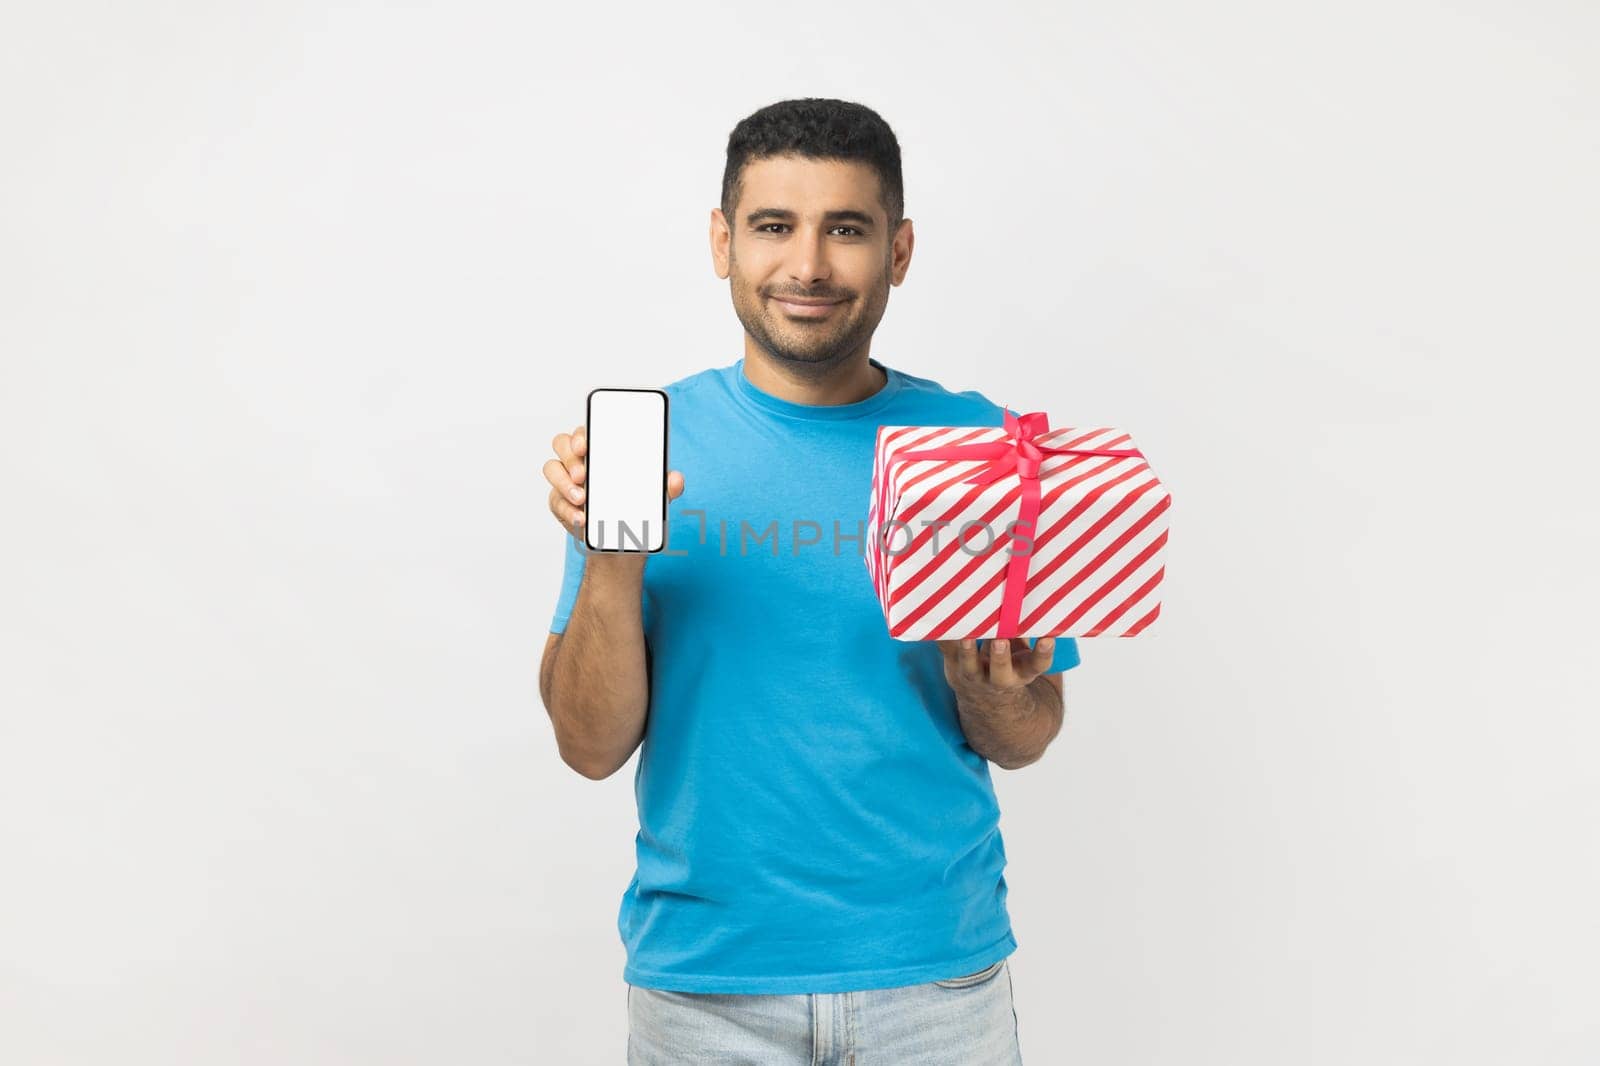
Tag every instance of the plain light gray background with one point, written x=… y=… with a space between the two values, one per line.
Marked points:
x=294 y=297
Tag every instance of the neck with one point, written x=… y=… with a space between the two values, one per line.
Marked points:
x=850 y=381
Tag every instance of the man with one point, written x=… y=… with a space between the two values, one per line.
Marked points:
x=819 y=857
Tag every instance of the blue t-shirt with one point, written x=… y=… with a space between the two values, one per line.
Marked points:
x=811 y=817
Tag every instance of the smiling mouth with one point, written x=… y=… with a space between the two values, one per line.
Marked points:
x=807 y=310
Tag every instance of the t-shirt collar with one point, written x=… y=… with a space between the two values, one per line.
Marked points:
x=823 y=411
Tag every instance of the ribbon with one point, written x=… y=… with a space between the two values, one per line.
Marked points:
x=1018 y=452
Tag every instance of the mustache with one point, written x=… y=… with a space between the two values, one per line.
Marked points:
x=809 y=295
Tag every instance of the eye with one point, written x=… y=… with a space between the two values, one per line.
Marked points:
x=768 y=227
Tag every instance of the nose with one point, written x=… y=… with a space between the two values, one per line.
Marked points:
x=810 y=262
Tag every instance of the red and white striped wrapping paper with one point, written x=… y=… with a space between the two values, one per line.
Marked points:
x=1099 y=539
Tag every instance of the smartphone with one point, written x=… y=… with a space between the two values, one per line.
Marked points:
x=625 y=483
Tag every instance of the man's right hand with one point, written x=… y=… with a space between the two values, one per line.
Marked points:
x=566 y=475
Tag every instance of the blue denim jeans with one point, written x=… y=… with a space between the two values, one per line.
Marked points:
x=963 y=1021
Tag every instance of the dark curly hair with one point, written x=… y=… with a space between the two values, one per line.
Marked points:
x=817 y=128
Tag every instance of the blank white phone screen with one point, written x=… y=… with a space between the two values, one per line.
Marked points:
x=625 y=484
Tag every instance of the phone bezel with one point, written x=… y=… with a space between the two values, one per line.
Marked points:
x=666 y=463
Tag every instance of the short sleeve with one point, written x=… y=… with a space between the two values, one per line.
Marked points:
x=571 y=578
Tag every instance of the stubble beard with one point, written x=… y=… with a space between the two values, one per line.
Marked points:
x=801 y=349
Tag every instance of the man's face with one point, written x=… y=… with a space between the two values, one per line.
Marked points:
x=809 y=229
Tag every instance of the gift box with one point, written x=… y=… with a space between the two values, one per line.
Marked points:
x=1015 y=531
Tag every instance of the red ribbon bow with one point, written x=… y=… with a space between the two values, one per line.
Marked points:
x=1017 y=453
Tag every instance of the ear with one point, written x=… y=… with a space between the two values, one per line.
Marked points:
x=900 y=252
x=720 y=238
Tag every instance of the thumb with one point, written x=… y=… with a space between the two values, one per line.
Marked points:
x=675 y=484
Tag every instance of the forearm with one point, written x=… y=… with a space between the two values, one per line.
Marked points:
x=597 y=687
x=1011 y=727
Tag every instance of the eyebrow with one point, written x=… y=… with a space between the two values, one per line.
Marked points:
x=782 y=215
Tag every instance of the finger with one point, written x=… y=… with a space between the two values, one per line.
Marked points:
x=956 y=656
x=967 y=660
x=1001 y=672
x=1028 y=663
x=1044 y=653
x=674 y=484
x=566 y=499
x=578 y=461
x=571 y=448
x=560 y=479
x=569 y=515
